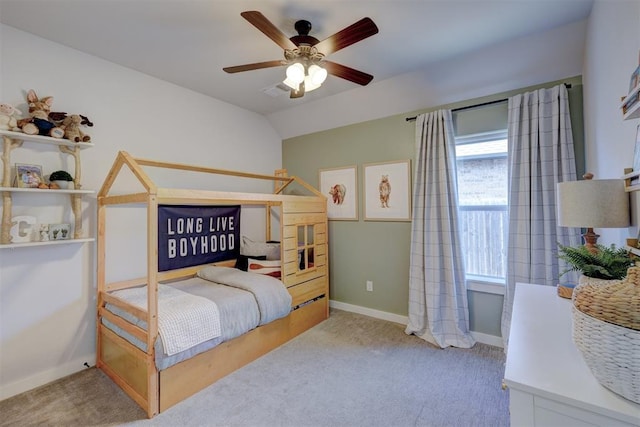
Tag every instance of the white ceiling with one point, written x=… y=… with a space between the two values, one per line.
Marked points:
x=188 y=42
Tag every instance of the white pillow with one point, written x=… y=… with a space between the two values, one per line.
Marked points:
x=251 y=248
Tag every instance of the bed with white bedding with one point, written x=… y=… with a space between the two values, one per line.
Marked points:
x=148 y=343
x=244 y=301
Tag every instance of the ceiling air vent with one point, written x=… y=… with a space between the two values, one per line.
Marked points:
x=276 y=90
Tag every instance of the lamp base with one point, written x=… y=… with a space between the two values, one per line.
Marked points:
x=591 y=240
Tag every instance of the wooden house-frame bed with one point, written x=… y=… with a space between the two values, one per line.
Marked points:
x=302 y=230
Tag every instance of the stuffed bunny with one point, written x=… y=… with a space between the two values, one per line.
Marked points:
x=39 y=122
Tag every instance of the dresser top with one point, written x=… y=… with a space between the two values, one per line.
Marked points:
x=543 y=360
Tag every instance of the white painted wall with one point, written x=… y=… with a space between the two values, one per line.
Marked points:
x=47 y=307
x=612 y=54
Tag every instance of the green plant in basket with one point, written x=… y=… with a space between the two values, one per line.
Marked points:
x=606 y=263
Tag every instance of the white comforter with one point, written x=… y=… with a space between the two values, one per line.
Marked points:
x=184 y=320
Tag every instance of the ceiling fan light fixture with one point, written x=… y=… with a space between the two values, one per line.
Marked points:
x=295 y=73
x=293 y=85
x=309 y=84
x=317 y=74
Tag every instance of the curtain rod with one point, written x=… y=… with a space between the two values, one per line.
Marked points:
x=483 y=104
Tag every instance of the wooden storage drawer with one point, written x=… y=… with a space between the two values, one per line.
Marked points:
x=308 y=290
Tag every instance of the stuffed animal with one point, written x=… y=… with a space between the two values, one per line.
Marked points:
x=7 y=121
x=71 y=126
x=39 y=122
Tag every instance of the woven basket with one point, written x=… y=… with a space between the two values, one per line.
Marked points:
x=606 y=330
x=614 y=301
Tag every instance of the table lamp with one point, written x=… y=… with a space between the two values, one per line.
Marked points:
x=591 y=203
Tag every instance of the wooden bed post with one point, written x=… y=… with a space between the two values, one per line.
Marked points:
x=152 y=303
x=101 y=244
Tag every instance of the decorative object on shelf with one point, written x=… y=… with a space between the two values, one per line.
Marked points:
x=606 y=330
x=592 y=203
x=61 y=179
x=22 y=228
x=59 y=231
x=71 y=126
x=636 y=155
x=44 y=232
x=28 y=176
x=387 y=191
x=7 y=121
x=39 y=122
x=635 y=79
x=605 y=263
x=340 y=186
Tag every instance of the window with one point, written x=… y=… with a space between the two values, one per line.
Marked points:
x=306 y=247
x=481 y=161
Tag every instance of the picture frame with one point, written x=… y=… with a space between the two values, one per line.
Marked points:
x=636 y=154
x=340 y=186
x=28 y=176
x=59 y=231
x=387 y=191
x=635 y=79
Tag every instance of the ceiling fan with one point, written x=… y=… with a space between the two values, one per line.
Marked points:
x=305 y=55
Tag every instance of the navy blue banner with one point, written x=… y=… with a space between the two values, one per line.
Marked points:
x=193 y=235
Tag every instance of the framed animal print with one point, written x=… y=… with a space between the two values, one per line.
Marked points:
x=387 y=191
x=340 y=186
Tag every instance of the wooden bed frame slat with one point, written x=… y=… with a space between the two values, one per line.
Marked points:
x=133 y=369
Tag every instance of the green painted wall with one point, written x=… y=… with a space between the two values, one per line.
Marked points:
x=379 y=251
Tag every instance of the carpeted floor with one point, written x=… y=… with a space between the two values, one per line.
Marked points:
x=351 y=370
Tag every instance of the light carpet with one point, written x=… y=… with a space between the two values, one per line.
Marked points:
x=351 y=370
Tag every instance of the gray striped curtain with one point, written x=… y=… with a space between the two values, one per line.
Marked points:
x=540 y=155
x=438 y=307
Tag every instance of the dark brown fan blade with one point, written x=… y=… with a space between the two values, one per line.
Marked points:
x=255 y=66
x=297 y=93
x=259 y=21
x=352 y=34
x=347 y=73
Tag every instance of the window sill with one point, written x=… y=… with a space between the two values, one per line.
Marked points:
x=486 y=285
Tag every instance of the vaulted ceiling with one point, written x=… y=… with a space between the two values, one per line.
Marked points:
x=188 y=42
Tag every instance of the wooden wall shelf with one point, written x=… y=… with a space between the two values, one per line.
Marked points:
x=14 y=140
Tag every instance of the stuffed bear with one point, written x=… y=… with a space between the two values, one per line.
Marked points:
x=39 y=122
x=7 y=121
x=71 y=126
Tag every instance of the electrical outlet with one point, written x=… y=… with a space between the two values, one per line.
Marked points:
x=369 y=286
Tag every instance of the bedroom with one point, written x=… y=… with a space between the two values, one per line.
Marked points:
x=150 y=118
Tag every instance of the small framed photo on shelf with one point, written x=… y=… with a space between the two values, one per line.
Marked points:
x=28 y=176
x=636 y=154
x=635 y=79
x=59 y=231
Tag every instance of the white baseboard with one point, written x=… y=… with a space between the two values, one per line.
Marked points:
x=478 y=336
x=42 y=378
x=487 y=339
x=369 y=312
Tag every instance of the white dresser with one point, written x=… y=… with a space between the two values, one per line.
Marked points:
x=549 y=382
